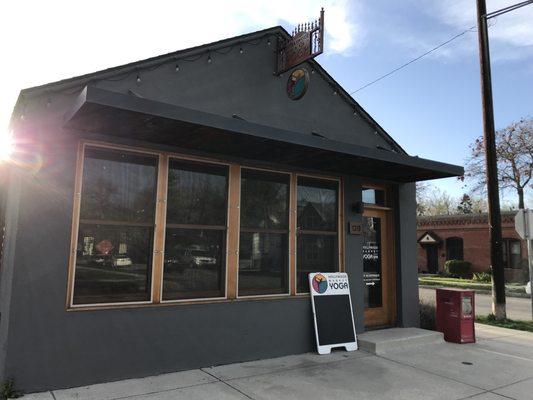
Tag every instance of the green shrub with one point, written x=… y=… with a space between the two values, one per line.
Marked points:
x=458 y=269
x=427 y=315
x=7 y=390
x=485 y=277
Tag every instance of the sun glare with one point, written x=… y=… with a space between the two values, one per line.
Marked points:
x=7 y=146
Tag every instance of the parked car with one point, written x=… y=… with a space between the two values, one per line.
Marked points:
x=122 y=261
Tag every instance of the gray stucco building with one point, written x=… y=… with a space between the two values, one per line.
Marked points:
x=163 y=215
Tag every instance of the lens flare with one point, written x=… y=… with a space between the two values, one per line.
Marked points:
x=7 y=146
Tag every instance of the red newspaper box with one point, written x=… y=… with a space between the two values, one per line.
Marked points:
x=455 y=315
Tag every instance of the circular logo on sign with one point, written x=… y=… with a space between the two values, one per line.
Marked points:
x=320 y=283
x=297 y=83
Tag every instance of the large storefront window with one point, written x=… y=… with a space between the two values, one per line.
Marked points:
x=195 y=231
x=264 y=229
x=317 y=220
x=151 y=227
x=116 y=228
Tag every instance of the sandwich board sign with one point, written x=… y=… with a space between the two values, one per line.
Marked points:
x=332 y=311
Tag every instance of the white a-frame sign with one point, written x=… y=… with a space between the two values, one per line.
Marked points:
x=332 y=311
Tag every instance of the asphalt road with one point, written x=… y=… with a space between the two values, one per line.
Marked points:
x=517 y=308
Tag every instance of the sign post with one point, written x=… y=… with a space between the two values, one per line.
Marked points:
x=523 y=222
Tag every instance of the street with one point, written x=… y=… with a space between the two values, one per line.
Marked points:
x=517 y=308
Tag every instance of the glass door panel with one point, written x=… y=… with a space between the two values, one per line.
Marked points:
x=372 y=261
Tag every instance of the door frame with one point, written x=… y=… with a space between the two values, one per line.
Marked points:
x=387 y=314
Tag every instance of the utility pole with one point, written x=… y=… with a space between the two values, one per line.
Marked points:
x=495 y=220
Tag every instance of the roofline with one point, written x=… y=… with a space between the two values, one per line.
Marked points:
x=444 y=217
x=360 y=110
x=85 y=79
x=82 y=80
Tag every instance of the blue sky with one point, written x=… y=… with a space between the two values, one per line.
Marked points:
x=432 y=107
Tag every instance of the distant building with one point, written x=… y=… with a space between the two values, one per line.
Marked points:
x=466 y=237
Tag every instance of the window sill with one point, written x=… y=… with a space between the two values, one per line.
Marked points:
x=171 y=303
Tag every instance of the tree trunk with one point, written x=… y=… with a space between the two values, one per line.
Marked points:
x=520 y=191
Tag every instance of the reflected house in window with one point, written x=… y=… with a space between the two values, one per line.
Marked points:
x=466 y=237
x=315 y=253
x=173 y=215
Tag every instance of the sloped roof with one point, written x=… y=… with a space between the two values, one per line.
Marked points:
x=79 y=82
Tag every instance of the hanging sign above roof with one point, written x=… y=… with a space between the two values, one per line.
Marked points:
x=306 y=42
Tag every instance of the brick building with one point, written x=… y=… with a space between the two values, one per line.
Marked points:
x=466 y=237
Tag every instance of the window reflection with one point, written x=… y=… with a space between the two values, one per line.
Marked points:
x=196 y=231
x=316 y=253
x=196 y=193
x=263 y=245
x=194 y=264
x=115 y=236
x=317 y=205
x=317 y=240
x=118 y=186
x=374 y=196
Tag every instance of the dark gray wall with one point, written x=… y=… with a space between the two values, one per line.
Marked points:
x=244 y=84
x=407 y=256
x=44 y=346
x=353 y=251
x=7 y=262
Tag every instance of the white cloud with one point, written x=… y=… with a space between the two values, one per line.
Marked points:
x=511 y=35
x=44 y=41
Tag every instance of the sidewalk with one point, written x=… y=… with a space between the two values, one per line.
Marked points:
x=499 y=366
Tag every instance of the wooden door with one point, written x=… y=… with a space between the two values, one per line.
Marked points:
x=378 y=268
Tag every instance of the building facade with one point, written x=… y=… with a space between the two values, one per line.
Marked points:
x=466 y=237
x=164 y=215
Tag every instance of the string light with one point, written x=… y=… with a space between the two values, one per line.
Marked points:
x=241 y=50
x=177 y=68
x=138 y=78
x=209 y=60
x=268 y=42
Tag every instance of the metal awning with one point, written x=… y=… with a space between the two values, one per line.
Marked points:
x=104 y=112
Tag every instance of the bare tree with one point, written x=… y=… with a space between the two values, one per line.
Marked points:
x=514 y=149
x=432 y=201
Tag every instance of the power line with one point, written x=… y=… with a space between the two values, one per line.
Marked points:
x=487 y=16
x=507 y=9
x=415 y=59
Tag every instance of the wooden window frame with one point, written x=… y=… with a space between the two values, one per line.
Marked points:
x=288 y=232
x=163 y=224
x=387 y=191
x=232 y=229
x=340 y=226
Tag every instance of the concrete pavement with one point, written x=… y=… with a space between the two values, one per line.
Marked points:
x=517 y=308
x=499 y=366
